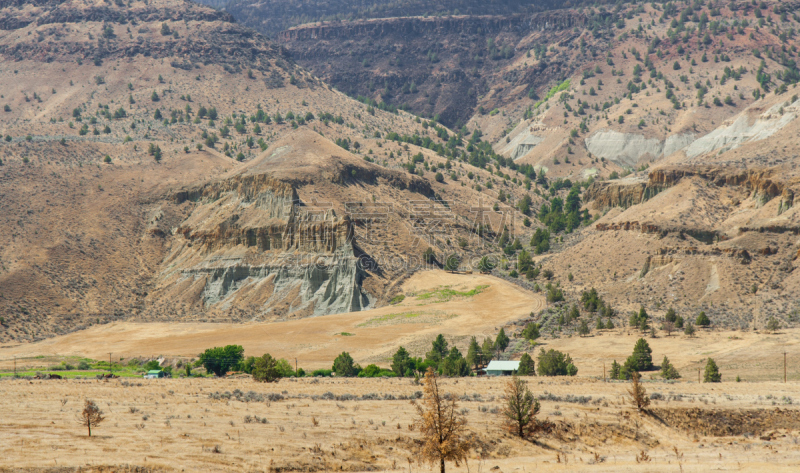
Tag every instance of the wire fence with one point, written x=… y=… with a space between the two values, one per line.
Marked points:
x=777 y=368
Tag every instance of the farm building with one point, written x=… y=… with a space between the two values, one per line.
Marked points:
x=154 y=374
x=502 y=368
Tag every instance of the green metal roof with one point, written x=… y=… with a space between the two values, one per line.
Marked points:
x=154 y=372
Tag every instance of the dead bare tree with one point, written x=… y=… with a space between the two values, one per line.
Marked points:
x=443 y=429
x=637 y=392
x=669 y=327
x=520 y=408
x=91 y=416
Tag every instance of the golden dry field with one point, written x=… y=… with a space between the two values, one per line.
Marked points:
x=329 y=424
x=370 y=336
x=356 y=424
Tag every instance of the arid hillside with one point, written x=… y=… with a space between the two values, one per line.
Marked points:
x=162 y=163
x=270 y=17
x=131 y=132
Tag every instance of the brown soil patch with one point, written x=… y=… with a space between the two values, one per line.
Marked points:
x=725 y=423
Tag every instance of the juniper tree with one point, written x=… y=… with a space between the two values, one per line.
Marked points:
x=583 y=329
x=689 y=330
x=640 y=360
x=401 y=362
x=454 y=364
x=668 y=371
x=773 y=325
x=574 y=313
x=452 y=262
x=439 y=351
x=502 y=341
x=526 y=366
x=474 y=354
x=520 y=408
x=343 y=365
x=670 y=316
x=615 y=370
x=485 y=266
x=711 y=374
x=531 y=331
x=488 y=349
x=265 y=369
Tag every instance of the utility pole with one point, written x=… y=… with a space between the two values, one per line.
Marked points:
x=295 y=368
x=109 y=363
x=698 y=375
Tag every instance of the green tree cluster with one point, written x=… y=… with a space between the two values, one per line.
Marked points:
x=639 y=319
x=219 y=360
x=344 y=366
x=555 y=363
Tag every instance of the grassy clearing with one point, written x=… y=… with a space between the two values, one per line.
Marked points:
x=553 y=91
x=381 y=319
x=407 y=317
x=444 y=294
x=71 y=374
x=73 y=367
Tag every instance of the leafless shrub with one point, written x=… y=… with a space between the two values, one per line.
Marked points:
x=443 y=430
x=637 y=393
x=91 y=416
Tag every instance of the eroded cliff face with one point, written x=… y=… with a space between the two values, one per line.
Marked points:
x=459 y=24
x=250 y=242
x=434 y=65
x=195 y=36
x=759 y=183
x=618 y=193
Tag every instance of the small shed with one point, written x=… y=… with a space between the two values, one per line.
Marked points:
x=502 y=368
x=154 y=374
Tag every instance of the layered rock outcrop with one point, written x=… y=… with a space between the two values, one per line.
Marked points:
x=624 y=193
x=195 y=35
x=435 y=65
x=251 y=233
x=427 y=26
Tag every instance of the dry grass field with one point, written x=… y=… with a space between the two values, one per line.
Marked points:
x=331 y=424
x=432 y=306
x=456 y=305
